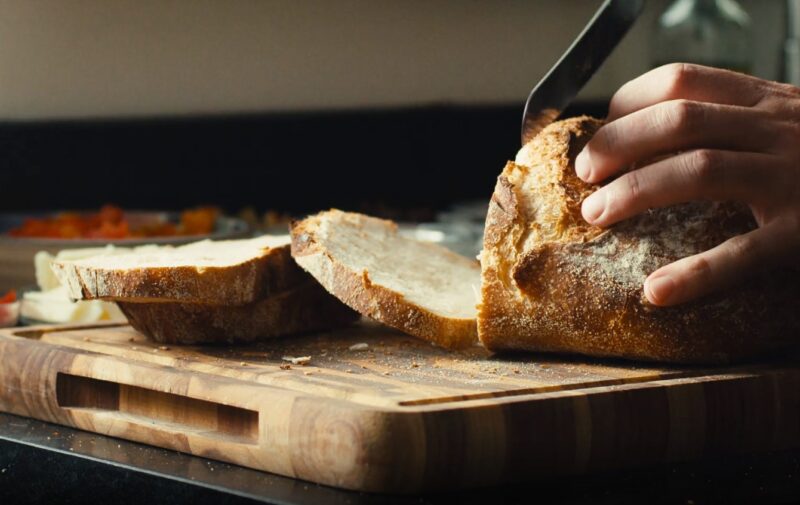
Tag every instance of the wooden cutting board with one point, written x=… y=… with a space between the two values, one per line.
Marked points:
x=398 y=416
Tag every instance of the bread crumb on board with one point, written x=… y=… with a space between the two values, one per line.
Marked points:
x=301 y=360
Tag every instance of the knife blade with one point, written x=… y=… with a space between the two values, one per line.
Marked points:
x=572 y=71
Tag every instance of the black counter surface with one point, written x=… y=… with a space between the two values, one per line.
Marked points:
x=45 y=463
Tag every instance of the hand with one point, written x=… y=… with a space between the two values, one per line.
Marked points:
x=726 y=136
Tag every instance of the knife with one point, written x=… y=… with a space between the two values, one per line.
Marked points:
x=576 y=66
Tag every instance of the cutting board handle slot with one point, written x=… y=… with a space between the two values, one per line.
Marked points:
x=148 y=407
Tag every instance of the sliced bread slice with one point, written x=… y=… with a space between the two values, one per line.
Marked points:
x=228 y=272
x=420 y=288
x=307 y=307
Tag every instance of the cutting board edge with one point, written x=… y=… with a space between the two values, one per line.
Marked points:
x=386 y=467
x=438 y=447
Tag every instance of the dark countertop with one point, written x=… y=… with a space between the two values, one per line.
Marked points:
x=41 y=462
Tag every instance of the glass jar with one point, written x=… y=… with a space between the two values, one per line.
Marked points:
x=716 y=33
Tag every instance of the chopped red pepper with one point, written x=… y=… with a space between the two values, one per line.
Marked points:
x=110 y=223
x=9 y=297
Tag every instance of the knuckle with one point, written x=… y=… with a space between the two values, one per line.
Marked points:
x=780 y=99
x=606 y=139
x=772 y=101
x=700 y=269
x=741 y=246
x=704 y=167
x=633 y=185
x=619 y=96
x=623 y=194
x=790 y=131
x=785 y=90
x=782 y=134
x=682 y=114
x=679 y=77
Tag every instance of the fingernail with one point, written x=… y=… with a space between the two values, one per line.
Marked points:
x=583 y=166
x=659 y=289
x=594 y=206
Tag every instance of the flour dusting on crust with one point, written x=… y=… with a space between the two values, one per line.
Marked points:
x=552 y=282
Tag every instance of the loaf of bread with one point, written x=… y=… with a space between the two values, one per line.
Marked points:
x=420 y=288
x=551 y=282
x=209 y=292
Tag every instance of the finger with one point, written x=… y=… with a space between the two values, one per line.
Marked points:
x=688 y=82
x=675 y=126
x=693 y=175
x=695 y=276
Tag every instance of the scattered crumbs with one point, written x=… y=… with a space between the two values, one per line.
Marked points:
x=286 y=366
x=348 y=371
x=163 y=348
x=301 y=360
x=361 y=346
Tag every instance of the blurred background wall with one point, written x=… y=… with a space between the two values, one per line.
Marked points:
x=102 y=58
x=399 y=108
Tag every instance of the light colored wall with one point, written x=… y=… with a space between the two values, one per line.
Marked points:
x=79 y=58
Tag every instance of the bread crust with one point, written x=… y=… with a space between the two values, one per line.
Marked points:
x=551 y=282
x=260 y=277
x=304 y=308
x=357 y=290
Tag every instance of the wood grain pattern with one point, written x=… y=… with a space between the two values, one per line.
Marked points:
x=400 y=416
